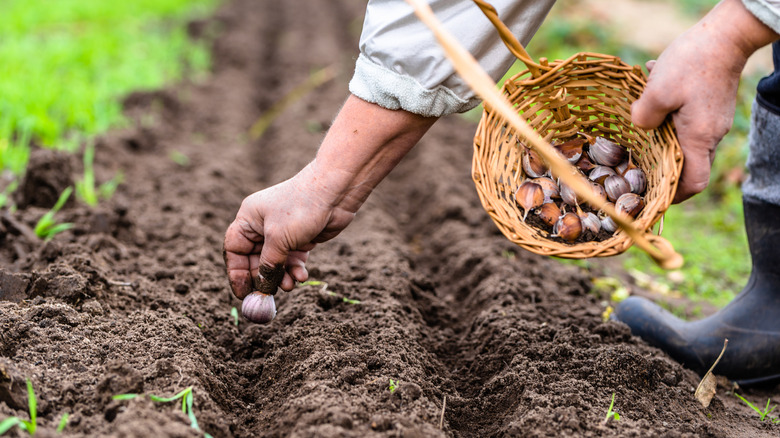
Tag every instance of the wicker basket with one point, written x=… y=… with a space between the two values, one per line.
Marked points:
x=589 y=93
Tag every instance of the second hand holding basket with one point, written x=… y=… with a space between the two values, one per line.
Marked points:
x=585 y=92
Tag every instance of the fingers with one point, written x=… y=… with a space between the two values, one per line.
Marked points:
x=235 y=251
x=699 y=130
x=650 y=110
x=698 y=144
x=695 y=175
x=296 y=266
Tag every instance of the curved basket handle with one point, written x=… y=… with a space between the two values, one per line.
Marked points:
x=509 y=39
x=670 y=259
x=483 y=85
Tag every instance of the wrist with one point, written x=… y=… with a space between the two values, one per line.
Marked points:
x=364 y=144
x=731 y=22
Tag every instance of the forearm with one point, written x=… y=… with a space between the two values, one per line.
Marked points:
x=364 y=144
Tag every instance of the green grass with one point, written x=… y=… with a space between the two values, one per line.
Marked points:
x=763 y=414
x=28 y=426
x=67 y=63
x=187 y=401
x=393 y=386
x=86 y=188
x=47 y=227
x=611 y=415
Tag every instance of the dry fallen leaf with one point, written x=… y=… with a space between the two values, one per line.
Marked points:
x=706 y=389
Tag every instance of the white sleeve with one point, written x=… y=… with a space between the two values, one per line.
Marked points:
x=768 y=11
x=402 y=66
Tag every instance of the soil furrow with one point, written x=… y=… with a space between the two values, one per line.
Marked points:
x=424 y=299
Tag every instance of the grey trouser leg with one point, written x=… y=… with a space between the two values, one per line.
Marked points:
x=763 y=162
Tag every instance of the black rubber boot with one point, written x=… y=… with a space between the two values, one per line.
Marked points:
x=751 y=322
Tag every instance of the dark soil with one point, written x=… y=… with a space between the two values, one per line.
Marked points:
x=134 y=299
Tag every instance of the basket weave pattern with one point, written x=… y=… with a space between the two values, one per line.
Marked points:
x=590 y=93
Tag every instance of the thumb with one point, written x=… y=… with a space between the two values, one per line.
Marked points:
x=650 y=110
x=270 y=271
x=656 y=102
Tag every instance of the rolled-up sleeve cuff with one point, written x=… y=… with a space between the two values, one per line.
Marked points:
x=388 y=89
x=768 y=12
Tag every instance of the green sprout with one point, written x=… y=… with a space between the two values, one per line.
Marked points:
x=47 y=227
x=393 y=386
x=234 y=314
x=763 y=414
x=179 y=158
x=63 y=423
x=85 y=187
x=27 y=426
x=343 y=298
x=325 y=289
x=313 y=283
x=186 y=404
x=610 y=413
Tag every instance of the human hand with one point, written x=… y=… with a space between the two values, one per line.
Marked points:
x=695 y=80
x=268 y=243
x=275 y=229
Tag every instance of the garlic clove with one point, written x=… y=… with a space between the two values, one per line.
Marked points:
x=568 y=196
x=599 y=173
x=615 y=186
x=590 y=222
x=259 y=307
x=637 y=180
x=568 y=227
x=529 y=196
x=630 y=204
x=626 y=165
x=599 y=190
x=549 y=213
x=572 y=149
x=585 y=164
x=533 y=165
x=607 y=152
x=608 y=224
x=549 y=188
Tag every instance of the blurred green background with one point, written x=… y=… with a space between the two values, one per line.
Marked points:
x=66 y=64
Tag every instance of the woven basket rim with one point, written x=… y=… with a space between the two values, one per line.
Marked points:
x=581 y=67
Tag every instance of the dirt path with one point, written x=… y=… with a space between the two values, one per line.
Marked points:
x=134 y=298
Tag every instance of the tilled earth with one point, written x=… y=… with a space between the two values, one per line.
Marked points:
x=480 y=337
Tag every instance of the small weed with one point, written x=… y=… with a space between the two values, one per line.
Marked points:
x=331 y=293
x=179 y=158
x=610 y=287
x=63 y=423
x=762 y=414
x=393 y=386
x=610 y=413
x=509 y=255
x=86 y=189
x=343 y=298
x=5 y=195
x=186 y=404
x=313 y=283
x=47 y=227
x=27 y=426
x=234 y=314
x=314 y=80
